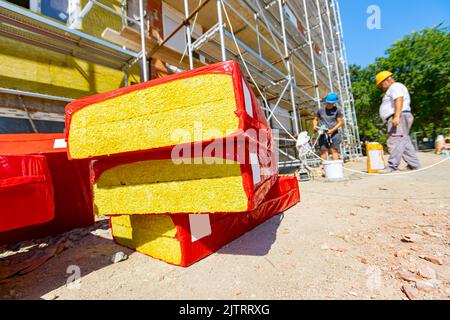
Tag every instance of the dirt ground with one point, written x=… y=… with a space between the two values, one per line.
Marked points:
x=381 y=237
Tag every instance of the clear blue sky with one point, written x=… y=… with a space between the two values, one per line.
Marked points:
x=398 y=18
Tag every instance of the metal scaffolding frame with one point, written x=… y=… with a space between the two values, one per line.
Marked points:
x=328 y=19
x=293 y=54
x=347 y=80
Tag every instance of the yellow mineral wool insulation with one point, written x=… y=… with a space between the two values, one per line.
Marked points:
x=181 y=111
x=154 y=236
x=160 y=186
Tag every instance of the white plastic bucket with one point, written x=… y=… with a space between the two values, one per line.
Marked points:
x=334 y=169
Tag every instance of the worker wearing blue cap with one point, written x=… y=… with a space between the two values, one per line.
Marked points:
x=327 y=121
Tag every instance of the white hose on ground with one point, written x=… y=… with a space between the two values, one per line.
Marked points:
x=399 y=173
x=389 y=174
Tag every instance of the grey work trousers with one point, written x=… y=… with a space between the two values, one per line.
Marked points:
x=399 y=143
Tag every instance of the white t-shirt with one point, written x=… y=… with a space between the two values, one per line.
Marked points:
x=395 y=91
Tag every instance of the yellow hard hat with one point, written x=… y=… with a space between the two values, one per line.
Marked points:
x=383 y=75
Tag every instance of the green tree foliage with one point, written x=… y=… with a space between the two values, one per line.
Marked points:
x=421 y=61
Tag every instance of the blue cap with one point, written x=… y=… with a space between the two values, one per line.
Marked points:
x=332 y=98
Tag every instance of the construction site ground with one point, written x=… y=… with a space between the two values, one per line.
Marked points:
x=367 y=237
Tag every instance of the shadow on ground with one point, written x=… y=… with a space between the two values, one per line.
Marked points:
x=256 y=242
x=90 y=253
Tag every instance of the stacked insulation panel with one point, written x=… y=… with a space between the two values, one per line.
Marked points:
x=174 y=152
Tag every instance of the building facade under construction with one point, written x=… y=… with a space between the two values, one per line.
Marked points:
x=292 y=52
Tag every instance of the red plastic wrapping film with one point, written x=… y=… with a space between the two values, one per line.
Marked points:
x=70 y=182
x=248 y=112
x=226 y=227
x=34 y=143
x=26 y=192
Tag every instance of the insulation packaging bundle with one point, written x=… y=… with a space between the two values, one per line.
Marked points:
x=186 y=238
x=194 y=146
x=201 y=105
x=153 y=184
x=26 y=192
x=65 y=184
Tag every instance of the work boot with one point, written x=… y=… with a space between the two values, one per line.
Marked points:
x=387 y=170
x=408 y=168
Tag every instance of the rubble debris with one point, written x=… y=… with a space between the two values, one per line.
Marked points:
x=338 y=249
x=425 y=225
x=425 y=286
x=410 y=292
x=433 y=259
x=412 y=269
x=427 y=273
x=23 y=262
x=25 y=256
x=401 y=253
x=363 y=260
x=60 y=247
x=411 y=238
x=407 y=276
x=432 y=234
x=118 y=257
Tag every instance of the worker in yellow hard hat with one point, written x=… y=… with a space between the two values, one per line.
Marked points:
x=395 y=111
x=383 y=75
